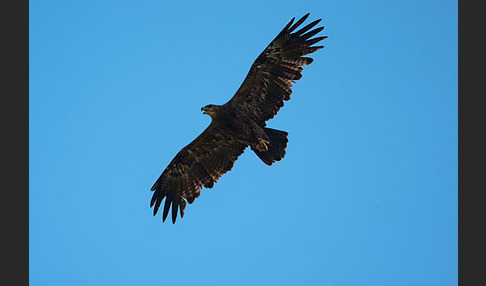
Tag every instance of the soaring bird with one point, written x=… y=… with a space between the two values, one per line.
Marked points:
x=240 y=122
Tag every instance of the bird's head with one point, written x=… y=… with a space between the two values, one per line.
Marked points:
x=210 y=110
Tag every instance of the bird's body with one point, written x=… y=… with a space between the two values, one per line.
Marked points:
x=239 y=123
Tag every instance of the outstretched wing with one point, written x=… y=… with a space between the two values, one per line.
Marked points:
x=272 y=74
x=201 y=163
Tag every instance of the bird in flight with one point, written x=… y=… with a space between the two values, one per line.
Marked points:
x=240 y=122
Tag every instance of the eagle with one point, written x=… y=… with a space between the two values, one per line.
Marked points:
x=240 y=122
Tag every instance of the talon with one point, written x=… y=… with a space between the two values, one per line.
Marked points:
x=262 y=145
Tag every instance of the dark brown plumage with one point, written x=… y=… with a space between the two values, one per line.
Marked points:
x=240 y=122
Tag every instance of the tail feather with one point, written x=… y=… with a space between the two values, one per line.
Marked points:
x=276 y=148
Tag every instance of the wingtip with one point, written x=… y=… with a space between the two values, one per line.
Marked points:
x=307 y=27
x=314 y=40
x=182 y=206
x=175 y=207
x=298 y=23
x=168 y=201
x=288 y=24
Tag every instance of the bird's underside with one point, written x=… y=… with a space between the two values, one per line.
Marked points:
x=240 y=122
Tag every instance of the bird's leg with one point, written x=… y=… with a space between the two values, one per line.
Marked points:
x=262 y=145
x=262 y=141
x=254 y=135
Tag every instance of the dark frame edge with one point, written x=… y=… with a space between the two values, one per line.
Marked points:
x=459 y=145
x=27 y=185
x=15 y=143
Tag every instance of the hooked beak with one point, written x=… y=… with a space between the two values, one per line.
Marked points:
x=203 y=110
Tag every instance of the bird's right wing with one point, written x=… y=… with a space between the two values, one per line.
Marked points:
x=201 y=163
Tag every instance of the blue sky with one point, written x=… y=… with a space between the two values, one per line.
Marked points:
x=367 y=192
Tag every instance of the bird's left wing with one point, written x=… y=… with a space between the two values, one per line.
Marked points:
x=272 y=74
x=201 y=163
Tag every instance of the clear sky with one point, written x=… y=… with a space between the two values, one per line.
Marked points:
x=367 y=192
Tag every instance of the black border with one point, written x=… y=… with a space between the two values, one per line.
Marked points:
x=15 y=143
x=471 y=144
x=460 y=277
